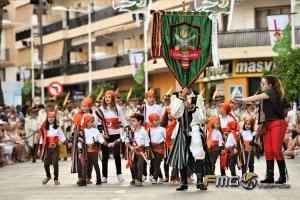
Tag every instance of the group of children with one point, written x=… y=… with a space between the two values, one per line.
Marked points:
x=145 y=144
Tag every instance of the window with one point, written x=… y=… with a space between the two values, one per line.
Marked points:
x=261 y=14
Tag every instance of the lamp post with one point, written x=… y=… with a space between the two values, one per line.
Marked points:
x=89 y=12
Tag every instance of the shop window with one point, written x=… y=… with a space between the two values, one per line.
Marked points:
x=261 y=14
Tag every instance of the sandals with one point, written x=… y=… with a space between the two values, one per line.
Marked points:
x=45 y=181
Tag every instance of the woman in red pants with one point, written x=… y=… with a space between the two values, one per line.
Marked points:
x=271 y=117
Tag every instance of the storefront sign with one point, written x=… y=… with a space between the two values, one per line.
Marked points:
x=215 y=71
x=243 y=67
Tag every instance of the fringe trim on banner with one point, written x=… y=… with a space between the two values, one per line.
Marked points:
x=214 y=39
x=156 y=35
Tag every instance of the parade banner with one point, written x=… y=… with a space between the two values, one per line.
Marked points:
x=280 y=33
x=183 y=39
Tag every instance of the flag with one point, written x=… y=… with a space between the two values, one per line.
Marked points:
x=99 y=95
x=184 y=41
x=280 y=34
x=215 y=93
x=66 y=99
x=137 y=67
x=129 y=94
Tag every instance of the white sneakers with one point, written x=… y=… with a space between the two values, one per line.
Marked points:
x=144 y=178
x=120 y=178
x=159 y=181
x=151 y=178
x=104 y=180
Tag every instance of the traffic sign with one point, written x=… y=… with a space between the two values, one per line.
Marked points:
x=37 y=100
x=236 y=91
x=55 y=89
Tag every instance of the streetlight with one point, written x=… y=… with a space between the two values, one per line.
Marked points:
x=89 y=12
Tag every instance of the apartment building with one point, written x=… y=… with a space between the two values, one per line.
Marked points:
x=243 y=51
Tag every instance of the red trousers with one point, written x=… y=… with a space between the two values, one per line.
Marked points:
x=273 y=139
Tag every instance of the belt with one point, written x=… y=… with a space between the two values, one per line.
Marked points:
x=52 y=145
x=54 y=139
x=91 y=148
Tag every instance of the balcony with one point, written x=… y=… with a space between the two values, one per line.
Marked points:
x=106 y=63
x=247 y=38
x=4 y=54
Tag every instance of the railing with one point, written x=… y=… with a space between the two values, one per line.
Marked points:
x=106 y=63
x=247 y=38
x=4 y=54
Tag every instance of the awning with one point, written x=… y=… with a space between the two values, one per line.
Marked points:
x=81 y=40
x=53 y=51
x=24 y=57
x=115 y=29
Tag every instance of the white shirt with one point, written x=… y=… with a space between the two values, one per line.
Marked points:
x=155 y=108
x=93 y=135
x=141 y=137
x=217 y=136
x=247 y=135
x=108 y=113
x=225 y=120
x=53 y=133
x=157 y=134
x=230 y=141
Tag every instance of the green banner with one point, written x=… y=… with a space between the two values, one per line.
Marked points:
x=140 y=74
x=186 y=44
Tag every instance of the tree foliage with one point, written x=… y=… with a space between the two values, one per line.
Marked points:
x=288 y=71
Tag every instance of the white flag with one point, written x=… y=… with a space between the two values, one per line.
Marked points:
x=135 y=59
x=276 y=25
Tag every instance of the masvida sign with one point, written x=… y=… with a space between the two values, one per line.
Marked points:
x=243 y=67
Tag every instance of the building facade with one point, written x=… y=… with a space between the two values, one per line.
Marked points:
x=244 y=51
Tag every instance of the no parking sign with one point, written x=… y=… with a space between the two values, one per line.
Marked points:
x=55 y=89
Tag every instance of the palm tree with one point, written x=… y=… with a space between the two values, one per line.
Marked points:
x=3 y=3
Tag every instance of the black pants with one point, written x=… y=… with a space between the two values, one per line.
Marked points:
x=33 y=151
x=251 y=162
x=105 y=155
x=137 y=168
x=151 y=169
x=174 y=174
x=184 y=173
x=51 y=157
x=93 y=161
x=232 y=161
x=166 y=168
x=213 y=155
x=156 y=165
x=82 y=169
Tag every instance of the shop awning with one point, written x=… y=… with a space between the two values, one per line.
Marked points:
x=24 y=57
x=115 y=29
x=53 y=51
x=81 y=40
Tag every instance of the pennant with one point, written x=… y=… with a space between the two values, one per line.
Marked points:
x=169 y=91
x=215 y=93
x=129 y=94
x=66 y=99
x=100 y=95
x=183 y=39
x=202 y=92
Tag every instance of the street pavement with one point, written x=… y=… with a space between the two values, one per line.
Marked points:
x=24 y=181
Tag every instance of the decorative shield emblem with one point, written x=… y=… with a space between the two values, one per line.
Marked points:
x=185 y=43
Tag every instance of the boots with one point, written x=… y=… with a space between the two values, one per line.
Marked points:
x=282 y=168
x=270 y=172
x=82 y=182
x=182 y=187
x=98 y=182
x=200 y=185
